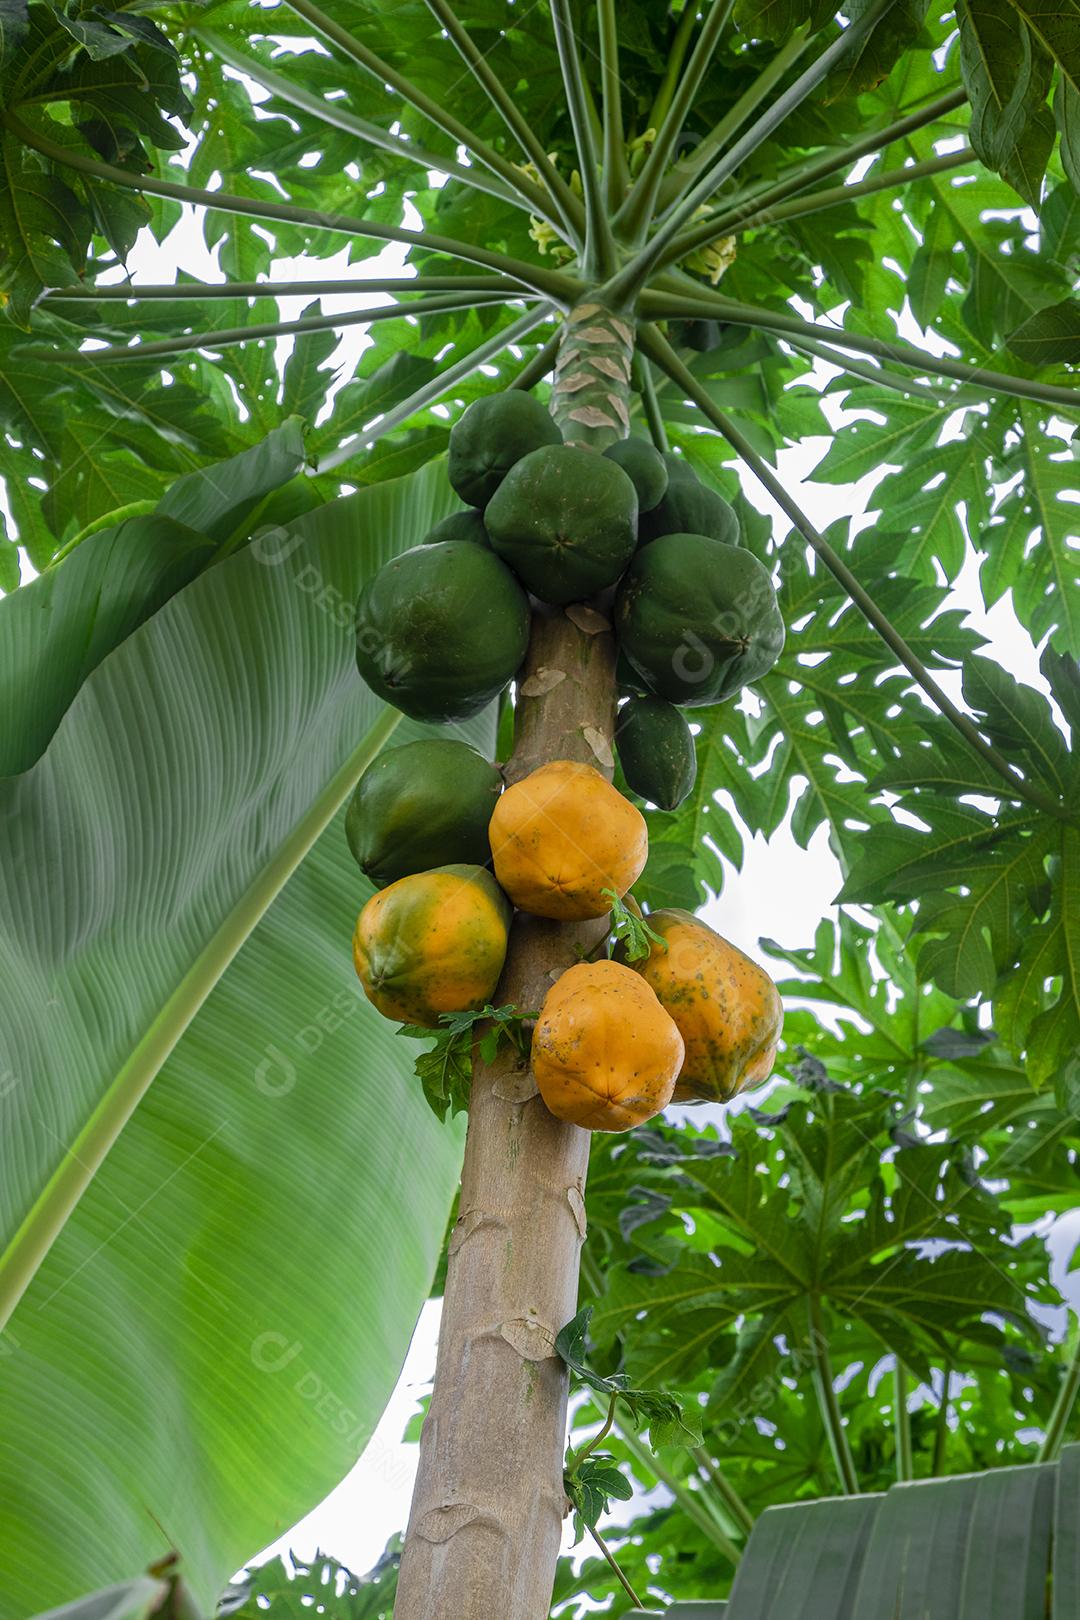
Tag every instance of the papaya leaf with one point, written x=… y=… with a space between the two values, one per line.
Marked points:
x=1050 y=337
x=289 y=1590
x=632 y=930
x=591 y=1487
x=445 y=1070
x=670 y=1422
x=1007 y=74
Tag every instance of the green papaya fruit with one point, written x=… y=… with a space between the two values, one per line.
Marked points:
x=656 y=751
x=424 y=805
x=698 y=619
x=441 y=630
x=678 y=467
x=467 y=525
x=627 y=679
x=565 y=519
x=690 y=508
x=645 y=467
x=491 y=436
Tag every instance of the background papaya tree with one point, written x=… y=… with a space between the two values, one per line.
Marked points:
x=699 y=208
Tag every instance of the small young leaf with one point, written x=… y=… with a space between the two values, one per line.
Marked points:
x=632 y=929
x=445 y=1069
x=663 y=1414
x=590 y=1488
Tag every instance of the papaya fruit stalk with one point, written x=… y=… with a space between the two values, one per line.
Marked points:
x=487 y=1511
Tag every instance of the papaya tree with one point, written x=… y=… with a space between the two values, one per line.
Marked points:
x=695 y=239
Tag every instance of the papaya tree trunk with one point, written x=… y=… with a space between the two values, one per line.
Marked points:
x=487 y=1511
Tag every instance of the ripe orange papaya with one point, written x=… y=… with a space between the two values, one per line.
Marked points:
x=604 y=1052
x=727 y=1008
x=562 y=835
x=432 y=943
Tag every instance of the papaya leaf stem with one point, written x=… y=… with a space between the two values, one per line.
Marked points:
x=680 y=44
x=337 y=116
x=941 y=1425
x=825 y=1389
x=250 y=334
x=137 y=292
x=1050 y=1449
x=537 y=199
x=659 y=349
x=598 y=1438
x=875 y=374
x=733 y=219
x=447 y=377
x=690 y=1502
x=616 y=169
x=566 y=204
x=630 y=280
x=552 y=283
x=812 y=202
x=599 y=255
x=540 y=364
x=610 y=1556
x=650 y=404
x=636 y=213
x=734 y=1503
x=905 y=1462
x=711 y=306
x=49 y=1214
x=682 y=175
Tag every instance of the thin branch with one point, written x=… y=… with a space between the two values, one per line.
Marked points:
x=905 y=1463
x=651 y=406
x=609 y=1555
x=137 y=292
x=568 y=206
x=599 y=253
x=448 y=377
x=656 y=252
x=822 y=167
x=828 y=1404
x=738 y=1509
x=712 y=307
x=811 y=202
x=683 y=174
x=665 y=356
x=230 y=335
x=540 y=364
x=637 y=211
x=616 y=170
x=386 y=74
x=1063 y=1407
x=338 y=117
x=551 y=283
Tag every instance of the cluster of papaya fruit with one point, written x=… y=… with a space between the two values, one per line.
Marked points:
x=453 y=850
x=443 y=628
x=615 y=1039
